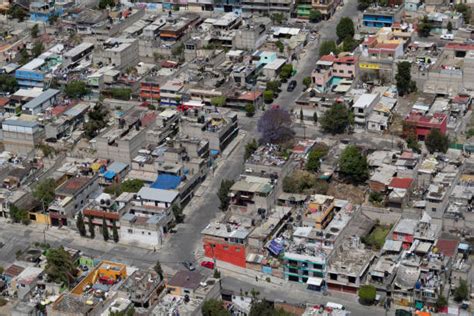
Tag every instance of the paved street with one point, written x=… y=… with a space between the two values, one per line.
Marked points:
x=327 y=31
x=298 y=295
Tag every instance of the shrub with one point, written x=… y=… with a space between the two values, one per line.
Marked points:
x=367 y=294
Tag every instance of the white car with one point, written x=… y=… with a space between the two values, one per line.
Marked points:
x=448 y=37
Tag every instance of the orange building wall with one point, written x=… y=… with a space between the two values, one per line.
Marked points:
x=232 y=253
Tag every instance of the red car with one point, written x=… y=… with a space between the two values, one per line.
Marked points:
x=207 y=264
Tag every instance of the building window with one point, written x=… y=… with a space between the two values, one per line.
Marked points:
x=143 y=233
x=130 y=231
x=149 y=233
x=352 y=279
x=333 y=276
x=433 y=209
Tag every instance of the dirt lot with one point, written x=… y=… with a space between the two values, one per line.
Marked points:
x=349 y=192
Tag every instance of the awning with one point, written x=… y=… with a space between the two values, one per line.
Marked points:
x=314 y=281
x=109 y=175
x=275 y=247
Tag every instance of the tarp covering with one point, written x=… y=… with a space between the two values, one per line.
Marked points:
x=166 y=182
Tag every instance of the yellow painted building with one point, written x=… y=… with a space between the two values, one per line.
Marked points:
x=320 y=210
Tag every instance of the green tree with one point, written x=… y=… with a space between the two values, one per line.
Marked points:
x=280 y=46
x=178 y=213
x=213 y=307
x=250 y=148
x=277 y=18
x=219 y=101
x=265 y=308
x=449 y=27
x=76 y=89
x=53 y=19
x=301 y=181
x=364 y=4
x=337 y=119
x=8 y=83
x=81 y=227
x=37 y=50
x=328 y=47
x=461 y=292
x=274 y=86
x=435 y=141
x=286 y=71
x=105 y=229
x=345 y=29
x=353 y=165
x=59 y=266
x=91 y=228
x=24 y=56
x=34 y=32
x=315 y=16
x=223 y=194
x=16 y=12
x=115 y=234
x=158 y=269
x=424 y=27
x=97 y=120
x=249 y=110
x=104 y=4
x=349 y=44
x=1 y=270
x=178 y=50
x=313 y=163
x=268 y=96
x=132 y=185
x=375 y=198
x=307 y=82
x=120 y=93
x=404 y=83
x=367 y=294
x=412 y=142
x=19 y=215
x=441 y=302
x=465 y=10
x=44 y=191
x=315 y=117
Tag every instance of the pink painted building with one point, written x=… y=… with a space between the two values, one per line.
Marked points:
x=330 y=69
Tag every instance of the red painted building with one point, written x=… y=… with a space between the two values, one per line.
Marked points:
x=149 y=90
x=405 y=232
x=226 y=242
x=422 y=125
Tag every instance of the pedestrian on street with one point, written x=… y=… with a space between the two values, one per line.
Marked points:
x=256 y=278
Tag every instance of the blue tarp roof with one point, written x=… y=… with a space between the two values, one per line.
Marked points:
x=275 y=247
x=109 y=175
x=166 y=182
x=214 y=152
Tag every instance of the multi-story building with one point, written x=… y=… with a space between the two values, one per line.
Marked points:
x=379 y=52
x=330 y=69
x=124 y=139
x=32 y=74
x=362 y=108
x=326 y=7
x=171 y=93
x=73 y=56
x=218 y=128
x=301 y=267
x=267 y=6
x=377 y=17
x=21 y=137
x=41 y=11
x=320 y=211
x=71 y=197
x=150 y=89
x=40 y=103
x=252 y=195
x=226 y=242
x=120 y=53
x=421 y=125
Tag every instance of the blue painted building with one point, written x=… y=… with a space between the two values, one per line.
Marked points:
x=381 y=17
x=31 y=75
x=42 y=11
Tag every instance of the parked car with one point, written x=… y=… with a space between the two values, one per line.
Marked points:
x=291 y=86
x=448 y=37
x=207 y=264
x=189 y=265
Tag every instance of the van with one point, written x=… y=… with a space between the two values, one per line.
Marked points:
x=335 y=306
x=448 y=37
